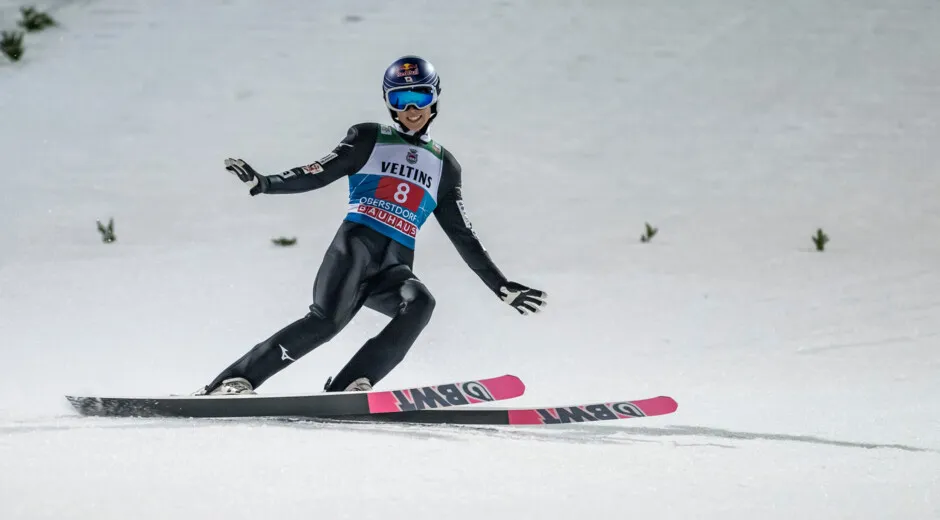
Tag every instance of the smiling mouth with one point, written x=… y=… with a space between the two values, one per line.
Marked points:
x=414 y=119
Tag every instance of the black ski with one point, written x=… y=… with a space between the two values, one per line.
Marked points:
x=374 y=403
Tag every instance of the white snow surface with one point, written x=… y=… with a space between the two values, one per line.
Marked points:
x=808 y=383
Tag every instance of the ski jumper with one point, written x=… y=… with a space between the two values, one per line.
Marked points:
x=396 y=181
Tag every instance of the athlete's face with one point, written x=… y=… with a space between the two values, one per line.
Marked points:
x=413 y=119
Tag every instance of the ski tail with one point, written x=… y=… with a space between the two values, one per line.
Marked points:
x=327 y=404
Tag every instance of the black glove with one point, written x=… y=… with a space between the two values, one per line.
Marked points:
x=524 y=299
x=245 y=173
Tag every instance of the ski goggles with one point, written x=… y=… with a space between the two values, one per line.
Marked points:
x=421 y=96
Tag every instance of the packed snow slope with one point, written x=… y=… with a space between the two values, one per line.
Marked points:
x=808 y=383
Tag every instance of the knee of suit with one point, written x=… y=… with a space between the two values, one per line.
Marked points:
x=417 y=299
x=323 y=323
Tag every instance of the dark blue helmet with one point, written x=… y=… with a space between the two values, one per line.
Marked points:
x=411 y=71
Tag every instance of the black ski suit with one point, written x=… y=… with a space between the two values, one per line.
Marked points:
x=363 y=267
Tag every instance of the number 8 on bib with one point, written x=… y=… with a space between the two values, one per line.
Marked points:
x=400 y=192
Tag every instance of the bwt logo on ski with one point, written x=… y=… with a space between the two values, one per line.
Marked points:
x=441 y=396
x=594 y=412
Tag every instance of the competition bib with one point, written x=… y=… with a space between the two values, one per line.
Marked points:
x=396 y=190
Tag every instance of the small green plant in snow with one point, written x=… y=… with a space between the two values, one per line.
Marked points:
x=284 y=241
x=820 y=239
x=107 y=232
x=649 y=234
x=11 y=44
x=34 y=20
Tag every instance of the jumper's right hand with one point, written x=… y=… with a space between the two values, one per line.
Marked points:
x=256 y=182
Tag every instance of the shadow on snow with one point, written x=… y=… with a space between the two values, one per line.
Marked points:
x=584 y=433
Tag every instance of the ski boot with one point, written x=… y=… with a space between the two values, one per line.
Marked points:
x=360 y=385
x=233 y=386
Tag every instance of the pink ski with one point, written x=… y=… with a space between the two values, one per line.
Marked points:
x=444 y=396
x=661 y=405
x=609 y=411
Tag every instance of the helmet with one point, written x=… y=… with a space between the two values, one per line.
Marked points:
x=411 y=71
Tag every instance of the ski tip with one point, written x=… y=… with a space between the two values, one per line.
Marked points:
x=660 y=405
x=505 y=386
x=517 y=381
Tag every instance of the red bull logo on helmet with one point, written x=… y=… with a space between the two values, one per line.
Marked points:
x=407 y=69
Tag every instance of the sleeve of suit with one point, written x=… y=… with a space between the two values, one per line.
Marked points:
x=348 y=157
x=451 y=215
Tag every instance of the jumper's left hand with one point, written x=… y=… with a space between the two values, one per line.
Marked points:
x=524 y=299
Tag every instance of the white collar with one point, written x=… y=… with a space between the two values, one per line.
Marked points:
x=424 y=137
